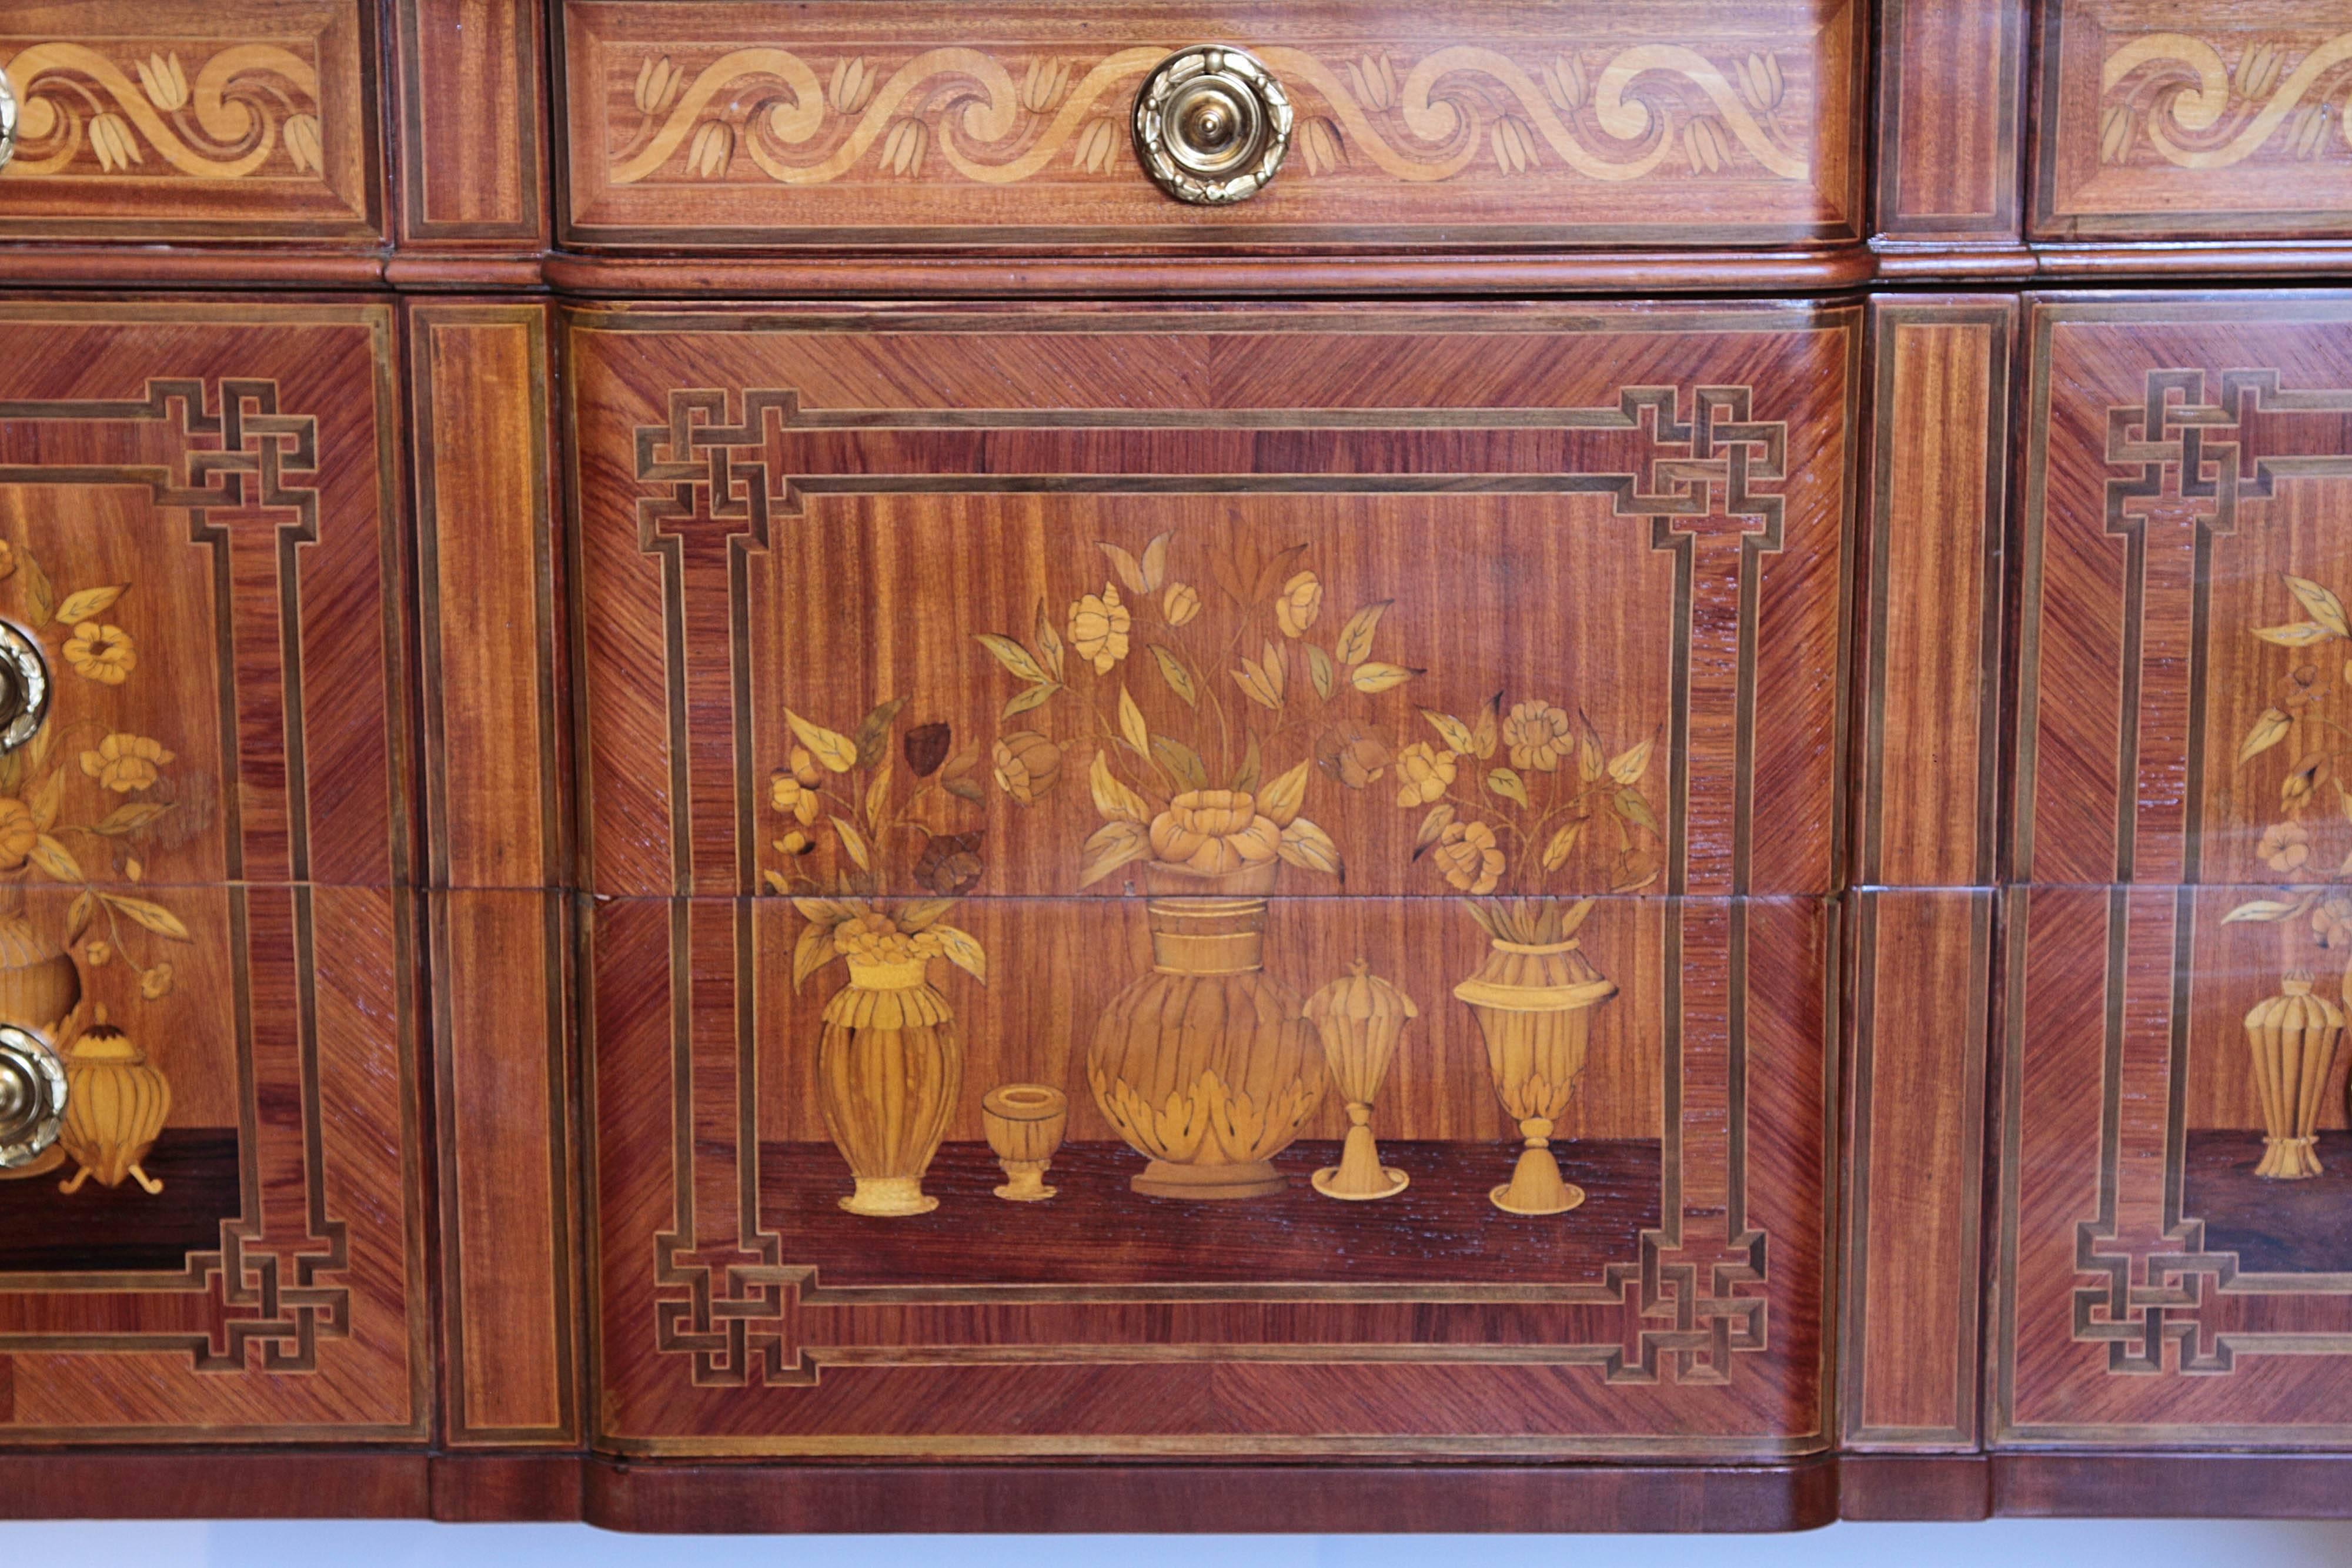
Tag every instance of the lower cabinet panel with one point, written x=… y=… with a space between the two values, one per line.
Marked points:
x=2176 y=1266
x=1235 y=1309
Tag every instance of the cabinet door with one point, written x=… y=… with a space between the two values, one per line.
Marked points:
x=1186 y=748
x=2174 y=1264
x=202 y=859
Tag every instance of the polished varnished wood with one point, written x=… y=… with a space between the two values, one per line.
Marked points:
x=187 y=120
x=1960 y=667
x=501 y=913
x=2180 y=686
x=204 y=518
x=701 y=125
x=1608 y=543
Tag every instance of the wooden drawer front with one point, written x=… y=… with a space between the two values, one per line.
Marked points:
x=204 y=848
x=1487 y=124
x=1317 y=587
x=2204 y=120
x=194 y=119
x=2173 y=1113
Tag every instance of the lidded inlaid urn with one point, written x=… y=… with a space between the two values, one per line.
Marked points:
x=1360 y=1018
x=115 y=1108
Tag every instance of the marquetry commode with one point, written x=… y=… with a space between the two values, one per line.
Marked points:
x=1140 y=767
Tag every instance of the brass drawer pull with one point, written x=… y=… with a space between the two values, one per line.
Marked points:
x=1211 y=125
x=32 y=1097
x=8 y=121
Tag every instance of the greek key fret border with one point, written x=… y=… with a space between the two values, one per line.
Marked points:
x=269 y=1295
x=1682 y=1314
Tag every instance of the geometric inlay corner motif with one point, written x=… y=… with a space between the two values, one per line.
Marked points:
x=1691 y=1300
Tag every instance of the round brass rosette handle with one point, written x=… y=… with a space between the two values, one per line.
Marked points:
x=1211 y=125
x=7 y=120
x=32 y=1097
x=24 y=687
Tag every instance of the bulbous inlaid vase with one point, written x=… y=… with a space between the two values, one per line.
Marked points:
x=1206 y=1065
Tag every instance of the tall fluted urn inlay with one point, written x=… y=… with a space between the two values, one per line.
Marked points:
x=890 y=1065
x=1534 y=999
x=1205 y=1065
x=1360 y=1018
x=2293 y=1036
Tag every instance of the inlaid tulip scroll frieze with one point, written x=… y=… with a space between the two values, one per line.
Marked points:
x=2300 y=747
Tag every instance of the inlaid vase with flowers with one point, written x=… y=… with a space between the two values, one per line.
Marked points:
x=1206 y=1065
x=1201 y=703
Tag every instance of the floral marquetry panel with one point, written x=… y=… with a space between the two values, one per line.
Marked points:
x=204 y=839
x=2204 y=120
x=193 y=119
x=1214 y=851
x=901 y=125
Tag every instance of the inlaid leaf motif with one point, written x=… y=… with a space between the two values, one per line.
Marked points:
x=830 y=747
x=923 y=913
x=1627 y=767
x=1115 y=801
x=1307 y=846
x=1376 y=677
x=1155 y=562
x=813 y=951
x=1172 y=670
x=46 y=798
x=1021 y=701
x=1049 y=641
x=1320 y=673
x=153 y=917
x=1282 y=798
x=1131 y=724
x=1636 y=810
x=1506 y=782
x=873 y=738
x=2266 y=911
x=1182 y=761
x=877 y=800
x=2270 y=726
x=56 y=860
x=1015 y=658
x=2317 y=602
x=959 y=947
x=90 y=601
x=2299 y=634
x=1111 y=846
x=1129 y=570
x=1440 y=816
x=1450 y=730
x=1487 y=729
x=130 y=818
x=1245 y=777
x=926 y=746
x=1355 y=643
x=855 y=843
x=1562 y=846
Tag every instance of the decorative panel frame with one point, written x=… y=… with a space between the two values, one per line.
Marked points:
x=2184 y=520
x=498 y=819
x=2212 y=125
x=190 y=119
x=1927 y=772
x=269 y=437
x=712 y=1339
x=900 y=129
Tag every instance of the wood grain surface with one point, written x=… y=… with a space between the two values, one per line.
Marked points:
x=704 y=126
x=206 y=534
x=190 y=119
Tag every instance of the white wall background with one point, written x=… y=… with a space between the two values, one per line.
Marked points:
x=1999 y=1543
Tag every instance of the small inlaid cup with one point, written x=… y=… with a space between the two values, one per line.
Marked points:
x=1024 y=1123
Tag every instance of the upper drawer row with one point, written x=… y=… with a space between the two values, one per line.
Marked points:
x=1486 y=124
